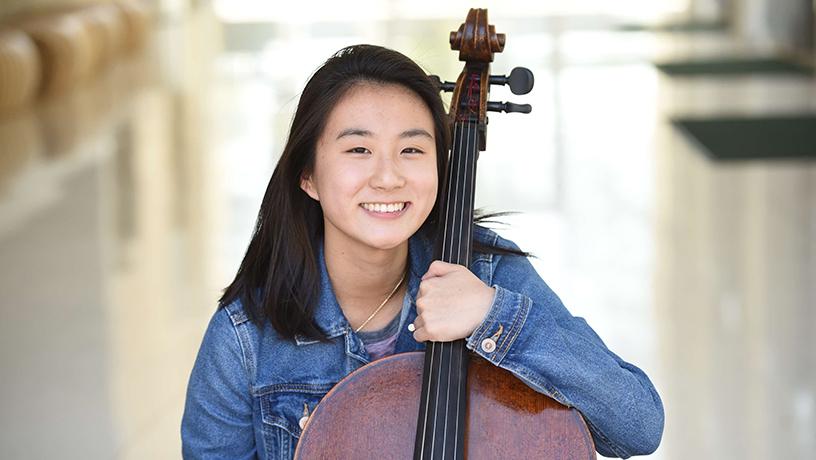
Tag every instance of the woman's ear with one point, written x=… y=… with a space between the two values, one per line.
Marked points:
x=307 y=186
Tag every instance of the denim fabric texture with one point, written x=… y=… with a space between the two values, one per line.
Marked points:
x=248 y=386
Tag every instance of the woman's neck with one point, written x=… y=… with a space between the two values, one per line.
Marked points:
x=363 y=277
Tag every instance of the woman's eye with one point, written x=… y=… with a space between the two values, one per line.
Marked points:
x=411 y=150
x=358 y=150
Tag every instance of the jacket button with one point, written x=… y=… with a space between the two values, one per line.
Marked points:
x=305 y=418
x=488 y=345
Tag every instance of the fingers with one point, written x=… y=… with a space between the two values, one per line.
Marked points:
x=439 y=268
x=420 y=334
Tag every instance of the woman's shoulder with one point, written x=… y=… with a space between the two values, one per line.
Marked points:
x=235 y=311
x=222 y=347
x=490 y=237
x=231 y=321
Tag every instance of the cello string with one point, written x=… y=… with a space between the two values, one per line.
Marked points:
x=474 y=151
x=462 y=223
x=471 y=138
x=465 y=158
x=433 y=347
x=450 y=259
x=460 y=164
x=427 y=400
x=460 y=352
x=454 y=212
x=447 y=396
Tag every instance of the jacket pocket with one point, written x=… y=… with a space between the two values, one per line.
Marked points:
x=282 y=408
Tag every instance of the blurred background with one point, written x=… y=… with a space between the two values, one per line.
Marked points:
x=665 y=180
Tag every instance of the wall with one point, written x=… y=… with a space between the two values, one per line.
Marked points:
x=781 y=24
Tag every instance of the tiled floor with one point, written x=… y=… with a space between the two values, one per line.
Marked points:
x=126 y=206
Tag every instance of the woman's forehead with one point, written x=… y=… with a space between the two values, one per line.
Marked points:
x=377 y=109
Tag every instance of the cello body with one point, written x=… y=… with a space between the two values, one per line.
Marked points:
x=372 y=414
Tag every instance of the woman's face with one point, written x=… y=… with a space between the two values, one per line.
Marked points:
x=375 y=167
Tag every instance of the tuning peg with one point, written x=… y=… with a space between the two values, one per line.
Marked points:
x=509 y=107
x=443 y=86
x=520 y=80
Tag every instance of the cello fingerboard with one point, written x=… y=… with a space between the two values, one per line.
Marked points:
x=443 y=411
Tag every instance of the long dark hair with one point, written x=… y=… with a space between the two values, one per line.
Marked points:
x=278 y=279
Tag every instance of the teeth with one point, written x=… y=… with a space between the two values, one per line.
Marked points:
x=384 y=207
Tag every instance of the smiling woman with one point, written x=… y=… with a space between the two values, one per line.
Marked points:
x=364 y=136
x=341 y=264
x=376 y=181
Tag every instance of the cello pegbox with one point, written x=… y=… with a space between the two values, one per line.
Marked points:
x=476 y=39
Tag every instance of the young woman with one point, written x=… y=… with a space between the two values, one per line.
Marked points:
x=339 y=273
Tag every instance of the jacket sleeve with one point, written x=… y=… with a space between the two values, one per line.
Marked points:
x=559 y=355
x=217 y=421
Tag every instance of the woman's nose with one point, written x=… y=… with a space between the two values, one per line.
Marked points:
x=387 y=174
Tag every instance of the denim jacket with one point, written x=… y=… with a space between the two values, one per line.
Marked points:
x=249 y=386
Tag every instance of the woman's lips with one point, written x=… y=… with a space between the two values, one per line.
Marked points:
x=369 y=209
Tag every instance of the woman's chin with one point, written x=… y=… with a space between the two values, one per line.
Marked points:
x=386 y=242
x=386 y=245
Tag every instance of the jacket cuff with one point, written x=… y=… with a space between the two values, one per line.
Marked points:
x=494 y=337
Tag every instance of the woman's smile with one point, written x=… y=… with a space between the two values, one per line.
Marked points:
x=386 y=210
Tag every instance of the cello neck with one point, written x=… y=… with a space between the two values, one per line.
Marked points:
x=457 y=215
x=443 y=404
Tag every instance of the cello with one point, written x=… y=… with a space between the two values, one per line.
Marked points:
x=442 y=403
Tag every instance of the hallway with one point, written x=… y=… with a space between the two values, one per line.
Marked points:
x=126 y=206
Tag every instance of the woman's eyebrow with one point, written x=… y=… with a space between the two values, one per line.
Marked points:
x=354 y=132
x=416 y=132
x=366 y=133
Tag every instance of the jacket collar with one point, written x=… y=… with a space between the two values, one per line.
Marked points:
x=328 y=314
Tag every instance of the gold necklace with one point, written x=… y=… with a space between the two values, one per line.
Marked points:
x=382 y=304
